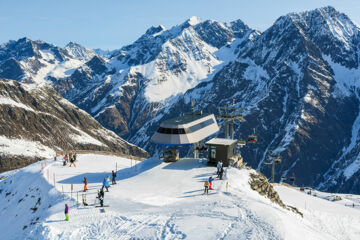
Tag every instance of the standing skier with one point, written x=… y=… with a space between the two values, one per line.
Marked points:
x=210 y=182
x=101 y=197
x=85 y=184
x=206 y=185
x=107 y=183
x=113 y=177
x=221 y=173
x=218 y=165
x=66 y=212
x=72 y=162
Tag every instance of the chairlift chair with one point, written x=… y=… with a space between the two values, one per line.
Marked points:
x=252 y=138
x=292 y=179
x=240 y=144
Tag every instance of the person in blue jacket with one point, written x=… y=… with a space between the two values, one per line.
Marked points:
x=210 y=182
x=106 y=183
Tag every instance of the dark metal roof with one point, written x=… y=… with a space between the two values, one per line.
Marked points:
x=185 y=119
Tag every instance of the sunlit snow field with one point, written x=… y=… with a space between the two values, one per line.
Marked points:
x=156 y=200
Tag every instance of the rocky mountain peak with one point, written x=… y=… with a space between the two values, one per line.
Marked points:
x=77 y=51
x=155 y=30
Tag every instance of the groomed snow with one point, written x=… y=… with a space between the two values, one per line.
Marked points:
x=157 y=200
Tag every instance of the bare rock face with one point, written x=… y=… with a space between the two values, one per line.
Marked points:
x=260 y=184
x=42 y=117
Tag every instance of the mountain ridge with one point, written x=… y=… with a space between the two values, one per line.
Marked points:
x=290 y=80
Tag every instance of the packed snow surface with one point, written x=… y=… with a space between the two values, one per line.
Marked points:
x=156 y=200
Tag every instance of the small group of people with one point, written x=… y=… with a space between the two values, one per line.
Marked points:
x=101 y=193
x=69 y=157
x=209 y=182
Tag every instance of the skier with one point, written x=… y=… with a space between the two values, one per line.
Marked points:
x=101 y=197
x=74 y=157
x=65 y=160
x=210 y=182
x=113 y=177
x=84 y=200
x=206 y=185
x=218 y=167
x=72 y=162
x=66 y=212
x=107 y=183
x=85 y=184
x=221 y=173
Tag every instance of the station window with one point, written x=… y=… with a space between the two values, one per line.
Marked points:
x=213 y=152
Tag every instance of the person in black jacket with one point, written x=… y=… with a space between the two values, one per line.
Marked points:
x=113 y=177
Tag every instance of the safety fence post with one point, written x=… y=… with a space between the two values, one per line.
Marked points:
x=116 y=167
x=77 y=200
x=42 y=169
x=54 y=181
x=48 y=175
x=71 y=191
x=63 y=192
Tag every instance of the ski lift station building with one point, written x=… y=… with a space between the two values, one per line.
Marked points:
x=185 y=130
x=222 y=149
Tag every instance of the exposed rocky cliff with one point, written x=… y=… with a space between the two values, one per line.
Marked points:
x=35 y=123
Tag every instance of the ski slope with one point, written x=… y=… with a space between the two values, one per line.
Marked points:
x=156 y=200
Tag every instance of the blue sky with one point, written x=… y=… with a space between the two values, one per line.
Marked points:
x=111 y=24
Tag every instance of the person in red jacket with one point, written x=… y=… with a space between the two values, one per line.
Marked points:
x=66 y=212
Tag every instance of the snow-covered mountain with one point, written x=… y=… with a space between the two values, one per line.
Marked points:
x=297 y=83
x=35 y=123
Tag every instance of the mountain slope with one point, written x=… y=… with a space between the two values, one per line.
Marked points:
x=172 y=210
x=38 y=122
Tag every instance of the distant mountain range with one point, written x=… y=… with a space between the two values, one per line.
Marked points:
x=297 y=82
